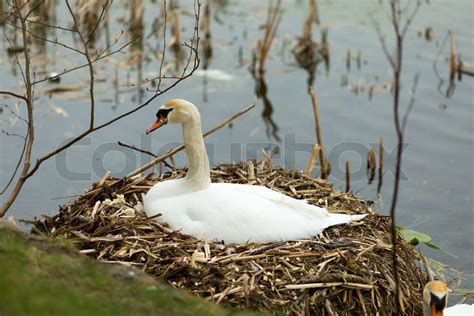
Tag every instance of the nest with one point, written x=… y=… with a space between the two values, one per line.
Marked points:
x=345 y=270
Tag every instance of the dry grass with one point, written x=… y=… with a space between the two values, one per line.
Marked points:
x=345 y=270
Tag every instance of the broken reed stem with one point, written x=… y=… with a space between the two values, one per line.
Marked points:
x=348 y=177
x=452 y=58
x=312 y=160
x=322 y=160
x=330 y=284
x=371 y=164
x=426 y=265
x=179 y=148
x=381 y=150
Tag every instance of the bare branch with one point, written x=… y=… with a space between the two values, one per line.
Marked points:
x=16 y=95
x=382 y=41
x=17 y=167
x=15 y=113
x=89 y=63
x=101 y=16
x=411 y=103
x=46 y=39
x=98 y=58
x=411 y=17
x=145 y=152
x=31 y=132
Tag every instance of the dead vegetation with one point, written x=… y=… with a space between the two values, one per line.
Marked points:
x=346 y=270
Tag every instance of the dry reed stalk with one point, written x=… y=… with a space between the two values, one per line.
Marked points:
x=322 y=159
x=467 y=69
x=312 y=160
x=371 y=164
x=452 y=56
x=381 y=151
x=348 y=177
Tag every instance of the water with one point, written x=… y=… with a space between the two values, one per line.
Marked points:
x=436 y=196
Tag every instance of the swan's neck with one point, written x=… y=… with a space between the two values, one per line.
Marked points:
x=198 y=175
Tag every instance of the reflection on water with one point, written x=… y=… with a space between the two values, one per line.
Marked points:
x=308 y=54
x=206 y=44
x=261 y=93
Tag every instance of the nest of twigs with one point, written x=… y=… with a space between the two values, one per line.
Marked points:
x=345 y=270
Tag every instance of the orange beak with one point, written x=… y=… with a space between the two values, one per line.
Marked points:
x=159 y=123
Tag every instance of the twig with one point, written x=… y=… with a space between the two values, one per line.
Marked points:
x=330 y=284
x=411 y=103
x=179 y=148
x=13 y=94
x=322 y=159
x=89 y=63
x=426 y=265
x=145 y=152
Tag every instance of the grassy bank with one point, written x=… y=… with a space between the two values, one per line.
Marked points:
x=44 y=277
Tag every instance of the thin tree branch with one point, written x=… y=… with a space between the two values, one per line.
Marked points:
x=89 y=63
x=411 y=103
x=31 y=132
x=145 y=152
x=17 y=167
x=101 y=16
x=16 y=95
x=98 y=58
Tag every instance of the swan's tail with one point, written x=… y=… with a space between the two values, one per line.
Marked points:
x=337 y=219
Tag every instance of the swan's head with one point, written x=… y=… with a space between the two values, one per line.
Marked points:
x=174 y=111
x=435 y=298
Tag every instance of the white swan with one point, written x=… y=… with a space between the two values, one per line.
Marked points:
x=435 y=300
x=234 y=213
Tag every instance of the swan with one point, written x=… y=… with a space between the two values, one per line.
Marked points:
x=233 y=213
x=435 y=300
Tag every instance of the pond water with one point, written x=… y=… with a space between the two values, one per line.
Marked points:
x=436 y=194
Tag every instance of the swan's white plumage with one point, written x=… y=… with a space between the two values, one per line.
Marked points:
x=460 y=310
x=237 y=213
x=234 y=213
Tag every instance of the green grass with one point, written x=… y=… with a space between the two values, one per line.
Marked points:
x=45 y=277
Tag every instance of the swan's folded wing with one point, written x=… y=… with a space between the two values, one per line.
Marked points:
x=299 y=206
